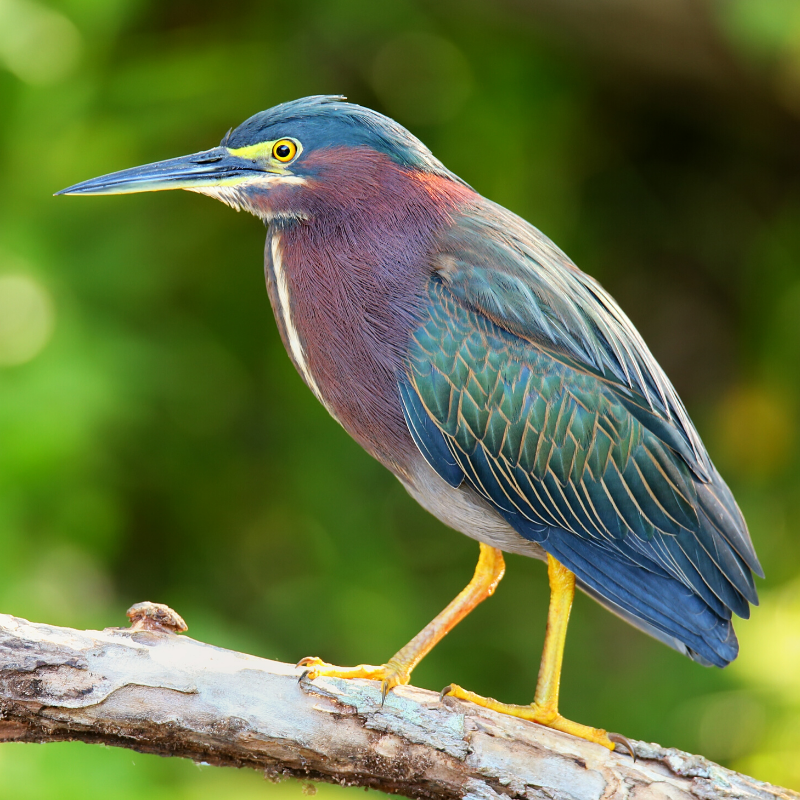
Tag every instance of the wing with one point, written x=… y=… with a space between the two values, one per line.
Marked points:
x=553 y=409
x=508 y=271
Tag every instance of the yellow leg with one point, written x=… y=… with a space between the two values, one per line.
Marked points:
x=544 y=708
x=397 y=670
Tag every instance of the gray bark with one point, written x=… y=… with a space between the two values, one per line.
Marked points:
x=151 y=690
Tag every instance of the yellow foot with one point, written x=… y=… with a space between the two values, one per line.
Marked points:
x=389 y=674
x=542 y=715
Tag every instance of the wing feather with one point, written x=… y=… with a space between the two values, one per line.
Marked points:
x=510 y=272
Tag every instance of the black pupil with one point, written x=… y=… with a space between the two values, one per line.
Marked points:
x=283 y=151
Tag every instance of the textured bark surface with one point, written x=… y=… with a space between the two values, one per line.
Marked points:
x=151 y=690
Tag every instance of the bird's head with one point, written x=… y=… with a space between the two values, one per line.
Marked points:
x=277 y=162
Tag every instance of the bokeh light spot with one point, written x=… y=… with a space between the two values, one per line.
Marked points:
x=38 y=44
x=770 y=644
x=755 y=431
x=729 y=725
x=27 y=317
x=422 y=78
x=761 y=27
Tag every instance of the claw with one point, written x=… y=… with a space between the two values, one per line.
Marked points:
x=309 y=661
x=308 y=675
x=618 y=738
x=446 y=691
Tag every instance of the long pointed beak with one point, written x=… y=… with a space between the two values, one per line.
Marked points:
x=215 y=167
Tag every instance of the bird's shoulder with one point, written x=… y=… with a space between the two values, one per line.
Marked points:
x=501 y=268
x=488 y=390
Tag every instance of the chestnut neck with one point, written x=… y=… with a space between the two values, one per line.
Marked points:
x=356 y=266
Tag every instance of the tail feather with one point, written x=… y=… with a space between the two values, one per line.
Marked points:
x=653 y=602
x=671 y=641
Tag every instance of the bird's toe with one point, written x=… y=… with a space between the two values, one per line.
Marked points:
x=546 y=715
x=317 y=668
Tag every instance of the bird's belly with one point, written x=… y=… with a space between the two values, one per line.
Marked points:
x=466 y=511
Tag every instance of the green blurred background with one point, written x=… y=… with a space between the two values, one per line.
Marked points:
x=155 y=442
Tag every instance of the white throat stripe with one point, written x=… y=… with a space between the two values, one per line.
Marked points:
x=295 y=345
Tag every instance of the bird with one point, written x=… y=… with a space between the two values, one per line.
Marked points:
x=504 y=387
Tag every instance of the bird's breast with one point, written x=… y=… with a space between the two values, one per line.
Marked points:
x=346 y=332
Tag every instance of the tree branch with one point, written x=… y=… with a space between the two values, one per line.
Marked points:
x=151 y=690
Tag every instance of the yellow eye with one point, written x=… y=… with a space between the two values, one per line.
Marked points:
x=284 y=150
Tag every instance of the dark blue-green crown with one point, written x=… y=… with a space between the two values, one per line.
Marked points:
x=328 y=121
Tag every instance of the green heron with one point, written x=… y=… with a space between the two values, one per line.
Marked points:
x=504 y=388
